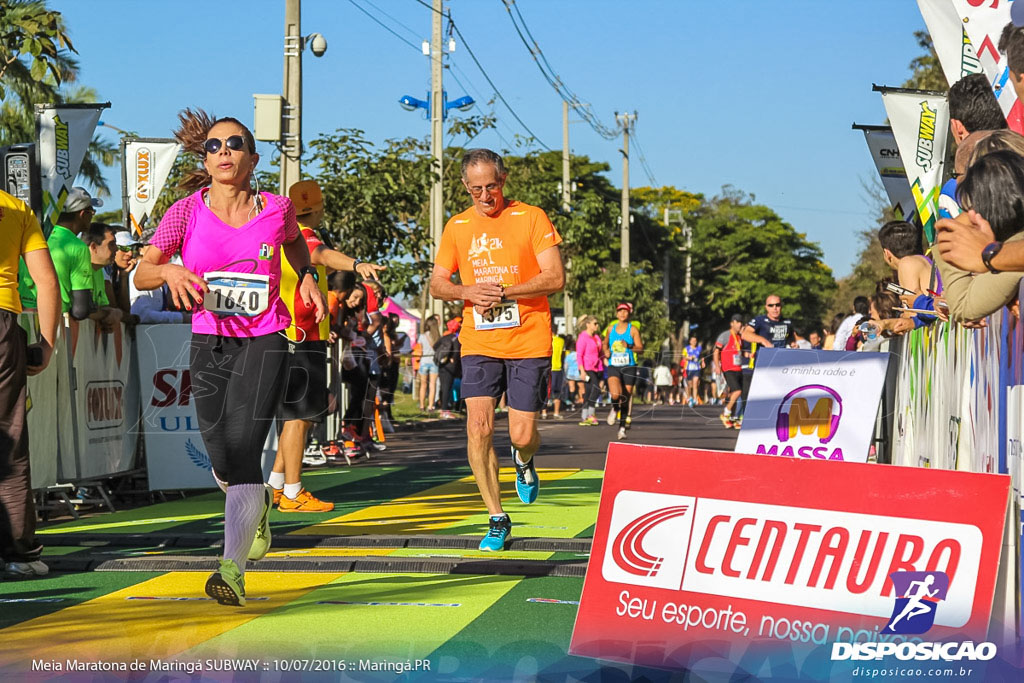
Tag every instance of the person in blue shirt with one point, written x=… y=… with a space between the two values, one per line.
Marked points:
x=621 y=344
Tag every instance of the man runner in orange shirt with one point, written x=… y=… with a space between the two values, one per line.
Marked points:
x=507 y=255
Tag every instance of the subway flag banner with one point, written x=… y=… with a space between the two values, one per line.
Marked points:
x=949 y=36
x=64 y=132
x=727 y=564
x=812 y=404
x=920 y=123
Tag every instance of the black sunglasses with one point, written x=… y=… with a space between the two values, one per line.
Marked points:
x=774 y=305
x=235 y=143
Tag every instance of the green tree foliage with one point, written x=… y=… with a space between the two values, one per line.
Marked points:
x=35 y=62
x=925 y=70
x=742 y=252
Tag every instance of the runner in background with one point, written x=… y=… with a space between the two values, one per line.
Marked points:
x=621 y=344
x=507 y=256
x=231 y=237
x=728 y=357
x=304 y=403
x=691 y=364
x=589 y=360
x=573 y=378
x=557 y=375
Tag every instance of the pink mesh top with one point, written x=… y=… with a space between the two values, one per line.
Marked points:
x=253 y=251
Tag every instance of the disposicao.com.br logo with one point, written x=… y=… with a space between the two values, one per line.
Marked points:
x=918 y=597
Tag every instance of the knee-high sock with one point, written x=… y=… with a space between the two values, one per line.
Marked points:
x=242 y=513
x=623 y=408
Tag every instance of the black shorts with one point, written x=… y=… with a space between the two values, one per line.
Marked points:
x=734 y=380
x=525 y=380
x=305 y=394
x=627 y=374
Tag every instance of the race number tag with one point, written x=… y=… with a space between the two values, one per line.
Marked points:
x=498 y=317
x=243 y=294
x=620 y=359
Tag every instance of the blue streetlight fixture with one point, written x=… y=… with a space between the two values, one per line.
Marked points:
x=410 y=103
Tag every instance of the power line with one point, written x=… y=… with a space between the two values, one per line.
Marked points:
x=551 y=76
x=497 y=91
x=384 y=26
x=412 y=31
x=643 y=161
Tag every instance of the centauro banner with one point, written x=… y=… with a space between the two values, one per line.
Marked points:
x=742 y=567
x=920 y=124
x=64 y=132
x=984 y=23
x=886 y=155
x=952 y=44
x=146 y=163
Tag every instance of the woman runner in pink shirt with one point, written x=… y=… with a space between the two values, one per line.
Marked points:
x=230 y=238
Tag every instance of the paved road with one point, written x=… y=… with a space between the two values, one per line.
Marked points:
x=564 y=442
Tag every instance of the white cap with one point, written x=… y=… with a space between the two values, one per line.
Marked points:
x=125 y=238
x=78 y=199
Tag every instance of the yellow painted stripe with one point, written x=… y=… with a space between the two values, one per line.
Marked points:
x=426 y=511
x=114 y=628
x=129 y=523
x=385 y=631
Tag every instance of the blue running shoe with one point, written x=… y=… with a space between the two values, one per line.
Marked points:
x=527 y=483
x=497 y=533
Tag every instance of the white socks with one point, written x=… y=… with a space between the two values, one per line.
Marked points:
x=276 y=480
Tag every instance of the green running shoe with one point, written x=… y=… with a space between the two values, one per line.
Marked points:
x=226 y=585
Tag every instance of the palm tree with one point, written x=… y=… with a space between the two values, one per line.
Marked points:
x=35 y=62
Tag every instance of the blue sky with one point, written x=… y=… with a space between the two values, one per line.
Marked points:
x=756 y=94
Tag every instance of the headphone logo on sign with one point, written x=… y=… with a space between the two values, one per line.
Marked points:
x=800 y=418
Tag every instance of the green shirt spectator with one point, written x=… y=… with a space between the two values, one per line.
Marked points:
x=74 y=268
x=71 y=257
x=99 y=288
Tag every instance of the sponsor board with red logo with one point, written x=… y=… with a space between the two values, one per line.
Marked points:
x=708 y=556
x=816 y=405
x=176 y=455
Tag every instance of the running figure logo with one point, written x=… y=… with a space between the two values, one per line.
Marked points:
x=917 y=597
x=479 y=246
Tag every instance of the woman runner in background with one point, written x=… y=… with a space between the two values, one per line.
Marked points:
x=621 y=344
x=230 y=237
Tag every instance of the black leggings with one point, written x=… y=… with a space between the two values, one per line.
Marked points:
x=237 y=385
x=447 y=379
x=593 y=390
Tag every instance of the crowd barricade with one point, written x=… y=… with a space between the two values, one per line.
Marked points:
x=176 y=457
x=82 y=407
x=959 y=404
x=41 y=409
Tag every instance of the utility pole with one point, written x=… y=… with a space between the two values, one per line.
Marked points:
x=567 y=305
x=688 y=231
x=626 y=121
x=291 y=129
x=437 y=137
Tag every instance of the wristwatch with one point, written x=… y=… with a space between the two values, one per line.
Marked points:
x=503 y=288
x=989 y=253
x=309 y=270
x=355 y=264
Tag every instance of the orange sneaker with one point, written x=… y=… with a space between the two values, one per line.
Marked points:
x=304 y=502
x=277 y=494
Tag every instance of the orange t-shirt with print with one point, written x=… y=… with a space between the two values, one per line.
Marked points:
x=501 y=249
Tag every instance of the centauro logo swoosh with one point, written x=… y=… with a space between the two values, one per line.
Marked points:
x=627 y=548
